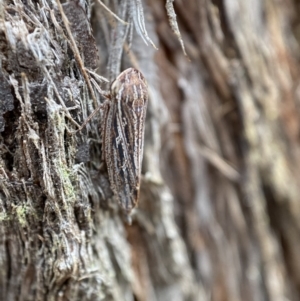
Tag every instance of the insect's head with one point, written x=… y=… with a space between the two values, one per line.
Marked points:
x=130 y=82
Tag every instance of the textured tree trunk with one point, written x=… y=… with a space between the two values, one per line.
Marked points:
x=218 y=216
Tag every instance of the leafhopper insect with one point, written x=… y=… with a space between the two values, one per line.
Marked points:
x=123 y=128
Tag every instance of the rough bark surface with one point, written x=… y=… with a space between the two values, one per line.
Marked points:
x=218 y=217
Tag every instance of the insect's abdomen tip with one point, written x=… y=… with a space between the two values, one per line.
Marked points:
x=129 y=219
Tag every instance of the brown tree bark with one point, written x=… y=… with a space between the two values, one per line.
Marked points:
x=218 y=217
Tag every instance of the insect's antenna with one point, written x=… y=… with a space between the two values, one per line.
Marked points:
x=100 y=107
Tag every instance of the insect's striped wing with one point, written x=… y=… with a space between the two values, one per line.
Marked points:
x=124 y=136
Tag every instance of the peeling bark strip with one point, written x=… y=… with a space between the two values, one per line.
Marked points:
x=123 y=136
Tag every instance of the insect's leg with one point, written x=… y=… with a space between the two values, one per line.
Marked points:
x=103 y=127
x=106 y=94
x=101 y=107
